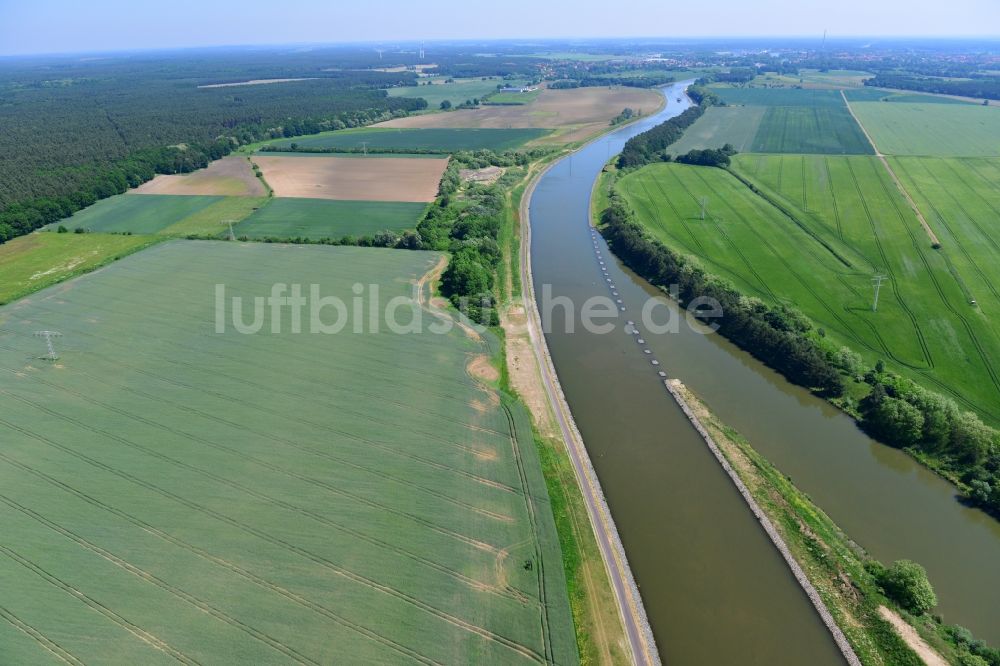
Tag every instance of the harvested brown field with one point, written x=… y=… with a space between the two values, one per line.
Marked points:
x=576 y=113
x=353 y=178
x=231 y=176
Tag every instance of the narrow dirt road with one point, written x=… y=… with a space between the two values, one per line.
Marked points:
x=892 y=174
x=632 y=612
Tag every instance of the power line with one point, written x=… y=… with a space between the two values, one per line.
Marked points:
x=48 y=335
x=877 y=283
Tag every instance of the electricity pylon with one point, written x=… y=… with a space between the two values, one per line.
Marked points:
x=877 y=283
x=48 y=335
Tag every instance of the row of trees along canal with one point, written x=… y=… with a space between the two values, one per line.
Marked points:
x=895 y=409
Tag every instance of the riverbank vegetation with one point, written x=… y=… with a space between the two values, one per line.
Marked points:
x=764 y=255
x=854 y=586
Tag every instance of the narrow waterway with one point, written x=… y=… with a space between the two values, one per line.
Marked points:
x=715 y=589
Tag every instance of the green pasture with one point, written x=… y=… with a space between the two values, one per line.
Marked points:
x=173 y=490
x=326 y=218
x=841 y=222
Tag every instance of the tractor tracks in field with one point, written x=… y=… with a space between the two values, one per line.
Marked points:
x=319 y=560
x=208 y=556
x=58 y=651
x=885 y=163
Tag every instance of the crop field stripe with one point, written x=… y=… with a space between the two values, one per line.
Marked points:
x=833 y=199
x=471 y=582
x=530 y=512
x=109 y=614
x=987 y=363
x=298 y=550
x=784 y=262
x=673 y=207
x=203 y=554
x=735 y=247
x=301 y=396
x=943 y=221
x=41 y=639
x=147 y=577
x=476 y=543
x=288 y=442
x=887 y=267
x=670 y=202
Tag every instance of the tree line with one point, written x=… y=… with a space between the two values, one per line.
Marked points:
x=778 y=335
x=895 y=410
x=979 y=88
x=467 y=224
x=651 y=145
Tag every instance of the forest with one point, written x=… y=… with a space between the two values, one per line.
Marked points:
x=76 y=132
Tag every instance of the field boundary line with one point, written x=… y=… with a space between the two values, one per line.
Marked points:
x=892 y=174
x=320 y=560
x=214 y=559
x=150 y=639
x=40 y=638
x=148 y=577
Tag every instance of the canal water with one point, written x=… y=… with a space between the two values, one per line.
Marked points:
x=715 y=589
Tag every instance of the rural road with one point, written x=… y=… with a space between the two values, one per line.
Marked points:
x=637 y=629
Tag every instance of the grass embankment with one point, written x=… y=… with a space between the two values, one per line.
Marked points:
x=36 y=261
x=835 y=565
x=599 y=632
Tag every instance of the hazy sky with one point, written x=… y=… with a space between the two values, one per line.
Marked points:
x=46 y=26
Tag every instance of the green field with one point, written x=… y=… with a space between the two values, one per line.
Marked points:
x=325 y=218
x=443 y=139
x=33 y=262
x=137 y=213
x=211 y=220
x=721 y=125
x=778 y=96
x=882 y=95
x=942 y=130
x=456 y=92
x=169 y=493
x=848 y=223
x=802 y=129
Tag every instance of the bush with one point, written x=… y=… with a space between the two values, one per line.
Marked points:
x=905 y=582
